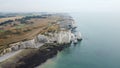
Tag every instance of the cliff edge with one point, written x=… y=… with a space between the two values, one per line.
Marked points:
x=44 y=45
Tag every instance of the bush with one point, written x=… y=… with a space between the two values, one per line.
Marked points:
x=6 y=22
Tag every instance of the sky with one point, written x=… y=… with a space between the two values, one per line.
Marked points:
x=59 y=5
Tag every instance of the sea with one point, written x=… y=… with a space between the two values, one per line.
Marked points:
x=100 y=47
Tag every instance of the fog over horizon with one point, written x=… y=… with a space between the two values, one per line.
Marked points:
x=60 y=6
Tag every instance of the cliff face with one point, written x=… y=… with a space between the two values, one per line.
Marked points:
x=61 y=38
x=65 y=35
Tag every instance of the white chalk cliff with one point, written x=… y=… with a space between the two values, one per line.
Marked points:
x=65 y=35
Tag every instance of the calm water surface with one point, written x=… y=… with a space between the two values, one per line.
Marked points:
x=100 y=47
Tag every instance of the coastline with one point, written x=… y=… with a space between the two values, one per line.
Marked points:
x=33 y=52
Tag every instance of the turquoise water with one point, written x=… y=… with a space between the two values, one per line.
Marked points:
x=100 y=47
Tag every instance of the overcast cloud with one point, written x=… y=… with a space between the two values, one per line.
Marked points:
x=60 y=5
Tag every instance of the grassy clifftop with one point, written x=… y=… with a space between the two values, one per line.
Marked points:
x=26 y=28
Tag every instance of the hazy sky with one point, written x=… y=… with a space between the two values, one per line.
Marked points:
x=60 y=5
